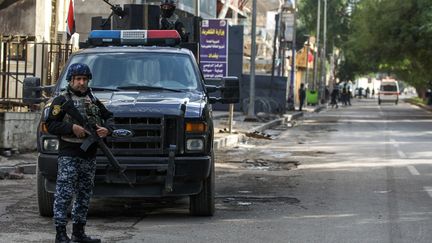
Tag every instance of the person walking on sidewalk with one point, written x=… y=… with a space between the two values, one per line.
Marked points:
x=302 y=96
x=76 y=168
x=334 y=97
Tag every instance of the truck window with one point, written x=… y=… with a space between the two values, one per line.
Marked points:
x=389 y=87
x=111 y=70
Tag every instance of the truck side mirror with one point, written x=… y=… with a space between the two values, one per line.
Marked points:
x=229 y=88
x=32 y=92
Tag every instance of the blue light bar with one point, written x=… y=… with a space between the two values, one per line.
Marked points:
x=104 y=37
x=133 y=37
x=106 y=34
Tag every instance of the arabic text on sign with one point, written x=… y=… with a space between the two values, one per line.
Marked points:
x=213 y=32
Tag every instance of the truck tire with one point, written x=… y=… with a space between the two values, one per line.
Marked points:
x=45 y=199
x=203 y=204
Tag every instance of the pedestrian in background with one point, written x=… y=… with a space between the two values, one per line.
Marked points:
x=334 y=97
x=302 y=96
x=344 y=95
x=76 y=168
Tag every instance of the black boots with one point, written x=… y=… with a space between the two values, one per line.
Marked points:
x=61 y=235
x=78 y=235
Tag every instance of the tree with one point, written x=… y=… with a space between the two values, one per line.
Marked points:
x=392 y=36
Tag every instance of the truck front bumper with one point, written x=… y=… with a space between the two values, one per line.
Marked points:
x=148 y=175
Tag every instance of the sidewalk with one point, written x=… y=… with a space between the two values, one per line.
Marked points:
x=26 y=163
x=241 y=128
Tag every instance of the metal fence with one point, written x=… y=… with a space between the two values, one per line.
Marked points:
x=21 y=57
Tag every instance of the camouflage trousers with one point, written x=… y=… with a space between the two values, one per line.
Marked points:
x=75 y=177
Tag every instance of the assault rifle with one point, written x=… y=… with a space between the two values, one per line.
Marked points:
x=90 y=127
x=115 y=9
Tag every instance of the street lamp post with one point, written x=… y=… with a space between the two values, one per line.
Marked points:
x=291 y=106
x=251 y=109
x=197 y=8
x=323 y=55
x=290 y=26
x=315 y=74
x=307 y=60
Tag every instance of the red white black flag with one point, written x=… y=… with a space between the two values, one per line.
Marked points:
x=70 y=22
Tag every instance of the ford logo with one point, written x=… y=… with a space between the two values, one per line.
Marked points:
x=122 y=133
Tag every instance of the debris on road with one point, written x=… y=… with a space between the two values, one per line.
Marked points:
x=15 y=176
x=12 y=173
x=259 y=135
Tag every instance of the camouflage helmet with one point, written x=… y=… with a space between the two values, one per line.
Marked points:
x=78 y=69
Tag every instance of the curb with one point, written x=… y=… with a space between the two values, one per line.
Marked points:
x=234 y=139
x=424 y=107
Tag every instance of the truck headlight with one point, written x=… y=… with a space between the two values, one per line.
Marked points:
x=51 y=144
x=195 y=144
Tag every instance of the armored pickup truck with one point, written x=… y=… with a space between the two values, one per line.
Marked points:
x=162 y=108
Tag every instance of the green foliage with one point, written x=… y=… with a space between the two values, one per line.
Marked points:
x=389 y=36
x=337 y=20
x=392 y=36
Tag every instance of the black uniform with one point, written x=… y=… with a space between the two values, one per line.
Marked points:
x=173 y=23
x=302 y=97
x=76 y=168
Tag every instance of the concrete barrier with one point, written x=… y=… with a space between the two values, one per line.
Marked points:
x=18 y=130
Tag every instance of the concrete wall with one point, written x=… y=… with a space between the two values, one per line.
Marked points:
x=18 y=130
x=18 y=18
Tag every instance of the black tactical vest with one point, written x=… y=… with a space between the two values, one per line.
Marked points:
x=87 y=108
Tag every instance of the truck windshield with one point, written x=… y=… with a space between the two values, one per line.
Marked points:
x=389 y=87
x=163 y=70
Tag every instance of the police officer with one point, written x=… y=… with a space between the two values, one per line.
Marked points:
x=170 y=21
x=302 y=95
x=76 y=168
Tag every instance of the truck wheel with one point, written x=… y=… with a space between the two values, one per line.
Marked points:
x=45 y=199
x=203 y=203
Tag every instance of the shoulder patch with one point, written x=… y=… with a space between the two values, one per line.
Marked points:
x=56 y=110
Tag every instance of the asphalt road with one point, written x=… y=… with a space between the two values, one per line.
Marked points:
x=354 y=174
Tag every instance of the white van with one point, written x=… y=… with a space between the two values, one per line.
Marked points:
x=388 y=92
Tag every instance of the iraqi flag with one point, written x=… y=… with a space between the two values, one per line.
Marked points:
x=70 y=22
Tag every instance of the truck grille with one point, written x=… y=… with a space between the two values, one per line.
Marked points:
x=150 y=136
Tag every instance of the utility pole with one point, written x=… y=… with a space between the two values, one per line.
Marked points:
x=235 y=15
x=231 y=106
x=197 y=7
x=315 y=74
x=291 y=103
x=307 y=60
x=251 y=109
x=323 y=55
x=275 y=38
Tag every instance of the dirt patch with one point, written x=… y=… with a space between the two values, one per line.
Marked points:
x=310 y=153
x=265 y=164
x=245 y=203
